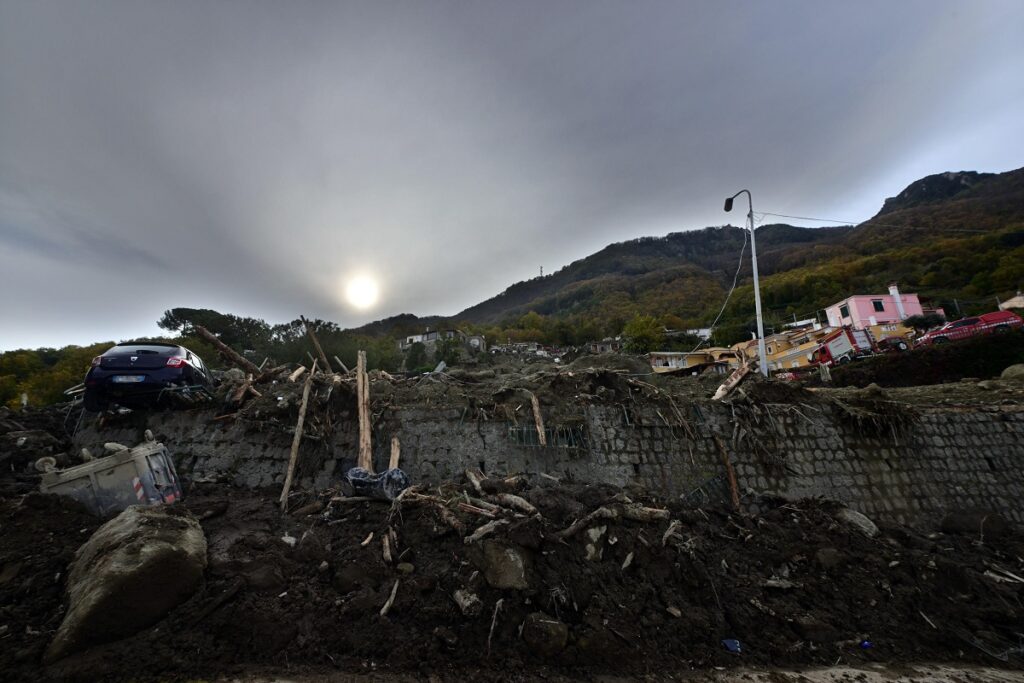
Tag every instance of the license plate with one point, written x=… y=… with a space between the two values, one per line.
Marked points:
x=128 y=379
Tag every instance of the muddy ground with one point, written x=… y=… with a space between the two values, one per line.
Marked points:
x=301 y=594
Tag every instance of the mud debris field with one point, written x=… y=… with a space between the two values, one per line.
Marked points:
x=539 y=595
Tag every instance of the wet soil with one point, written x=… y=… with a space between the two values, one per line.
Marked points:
x=302 y=594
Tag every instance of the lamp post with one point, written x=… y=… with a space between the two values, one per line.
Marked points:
x=762 y=356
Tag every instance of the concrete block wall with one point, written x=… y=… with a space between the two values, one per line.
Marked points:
x=942 y=459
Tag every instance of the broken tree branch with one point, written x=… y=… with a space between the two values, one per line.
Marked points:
x=296 y=440
x=298 y=373
x=316 y=344
x=635 y=513
x=516 y=503
x=391 y=600
x=396 y=453
x=228 y=352
x=538 y=419
x=342 y=365
x=484 y=530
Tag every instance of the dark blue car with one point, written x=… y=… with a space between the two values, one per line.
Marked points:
x=139 y=373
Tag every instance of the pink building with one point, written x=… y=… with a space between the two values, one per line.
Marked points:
x=863 y=311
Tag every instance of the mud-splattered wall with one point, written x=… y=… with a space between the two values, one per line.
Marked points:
x=911 y=468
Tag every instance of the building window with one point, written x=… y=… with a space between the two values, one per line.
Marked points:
x=844 y=311
x=879 y=306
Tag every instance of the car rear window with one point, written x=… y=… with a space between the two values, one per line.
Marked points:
x=144 y=349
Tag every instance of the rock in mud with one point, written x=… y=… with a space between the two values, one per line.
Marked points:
x=504 y=566
x=1014 y=372
x=469 y=604
x=130 y=573
x=859 y=522
x=545 y=635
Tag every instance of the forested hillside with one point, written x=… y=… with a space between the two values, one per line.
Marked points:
x=956 y=239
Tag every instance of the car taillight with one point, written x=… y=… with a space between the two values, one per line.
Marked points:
x=96 y=361
x=175 y=362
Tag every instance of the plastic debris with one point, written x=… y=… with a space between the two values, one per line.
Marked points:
x=732 y=645
x=385 y=485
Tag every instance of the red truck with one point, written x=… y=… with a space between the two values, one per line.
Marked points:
x=989 y=323
x=842 y=346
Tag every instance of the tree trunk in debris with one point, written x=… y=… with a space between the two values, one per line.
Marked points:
x=539 y=420
x=228 y=352
x=363 y=396
x=297 y=439
x=395 y=453
x=316 y=345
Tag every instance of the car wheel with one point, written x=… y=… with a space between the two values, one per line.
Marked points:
x=1001 y=329
x=844 y=360
x=902 y=346
x=941 y=340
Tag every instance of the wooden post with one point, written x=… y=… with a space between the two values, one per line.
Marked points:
x=296 y=440
x=228 y=352
x=734 y=489
x=316 y=345
x=363 y=396
x=395 y=453
x=538 y=419
x=342 y=365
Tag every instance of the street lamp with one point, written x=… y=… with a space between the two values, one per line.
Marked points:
x=757 y=287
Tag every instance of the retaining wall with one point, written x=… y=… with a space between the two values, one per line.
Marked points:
x=911 y=471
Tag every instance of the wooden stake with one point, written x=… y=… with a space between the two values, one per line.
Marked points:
x=539 y=420
x=298 y=371
x=316 y=345
x=296 y=440
x=363 y=396
x=734 y=489
x=342 y=365
x=395 y=453
x=228 y=352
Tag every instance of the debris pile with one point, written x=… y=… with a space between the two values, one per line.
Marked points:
x=485 y=576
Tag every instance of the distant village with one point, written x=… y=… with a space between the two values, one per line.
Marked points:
x=857 y=326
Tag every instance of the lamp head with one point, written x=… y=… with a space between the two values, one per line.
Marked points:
x=728 y=204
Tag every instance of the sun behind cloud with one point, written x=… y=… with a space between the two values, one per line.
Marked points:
x=362 y=291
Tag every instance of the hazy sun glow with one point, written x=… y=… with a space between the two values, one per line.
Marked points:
x=362 y=291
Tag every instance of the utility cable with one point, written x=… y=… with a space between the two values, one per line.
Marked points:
x=882 y=225
x=735 y=279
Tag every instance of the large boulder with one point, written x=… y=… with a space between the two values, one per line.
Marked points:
x=1015 y=372
x=545 y=635
x=504 y=566
x=130 y=573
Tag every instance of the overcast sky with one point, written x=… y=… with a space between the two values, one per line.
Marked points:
x=250 y=156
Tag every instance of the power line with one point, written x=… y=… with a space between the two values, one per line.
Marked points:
x=883 y=225
x=735 y=278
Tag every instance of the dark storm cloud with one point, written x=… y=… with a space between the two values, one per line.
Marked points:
x=248 y=156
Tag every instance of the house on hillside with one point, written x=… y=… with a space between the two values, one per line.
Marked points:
x=430 y=338
x=864 y=311
x=791 y=349
x=606 y=345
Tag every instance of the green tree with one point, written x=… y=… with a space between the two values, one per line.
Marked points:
x=417 y=356
x=643 y=334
